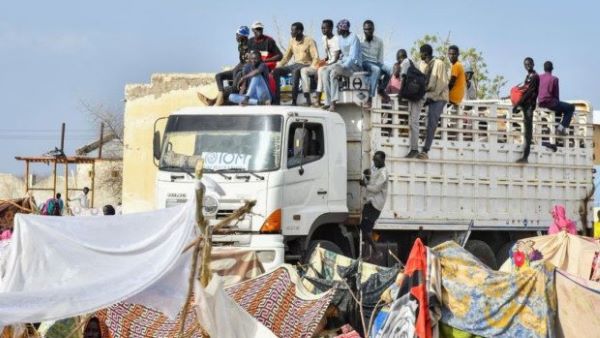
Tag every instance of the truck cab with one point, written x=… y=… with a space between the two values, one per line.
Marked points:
x=290 y=160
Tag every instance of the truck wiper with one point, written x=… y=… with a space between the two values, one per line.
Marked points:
x=262 y=178
x=220 y=172
x=182 y=169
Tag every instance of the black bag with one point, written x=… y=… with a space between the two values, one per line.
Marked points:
x=414 y=84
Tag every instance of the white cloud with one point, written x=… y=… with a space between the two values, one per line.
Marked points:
x=56 y=43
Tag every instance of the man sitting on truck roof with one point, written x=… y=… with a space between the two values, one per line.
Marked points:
x=376 y=184
x=372 y=55
x=548 y=98
x=241 y=36
x=351 y=62
x=527 y=104
x=253 y=83
x=269 y=52
x=304 y=51
x=332 y=54
x=436 y=95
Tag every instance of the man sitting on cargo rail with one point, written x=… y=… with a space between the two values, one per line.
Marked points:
x=376 y=184
x=253 y=84
x=527 y=103
x=372 y=55
x=548 y=98
x=436 y=95
x=332 y=54
x=241 y=36
x=351 y=62
x=304 y=51
x=269 y=52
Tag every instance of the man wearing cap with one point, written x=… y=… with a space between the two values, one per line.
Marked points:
x=265 y=44
x=241 y=37
x=471 y=90
x=350 y=62
x=304 y=51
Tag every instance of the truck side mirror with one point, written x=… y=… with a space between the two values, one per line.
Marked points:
x=156 y=145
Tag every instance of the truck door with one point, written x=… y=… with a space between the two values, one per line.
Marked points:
x=306 y=175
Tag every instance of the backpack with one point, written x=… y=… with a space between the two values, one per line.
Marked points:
x=516 y=94
x=414 y=84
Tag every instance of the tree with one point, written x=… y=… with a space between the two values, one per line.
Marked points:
x=110 y=176
x=487 y=88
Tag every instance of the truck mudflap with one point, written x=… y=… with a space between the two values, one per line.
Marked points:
x=270 y=249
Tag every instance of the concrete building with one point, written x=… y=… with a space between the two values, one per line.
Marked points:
x=145 y=103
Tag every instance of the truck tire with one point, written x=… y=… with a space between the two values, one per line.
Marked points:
x=504 y=253
x=483 y=252
x=327 y=245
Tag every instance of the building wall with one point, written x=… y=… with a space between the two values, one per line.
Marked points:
x=145 y=103
x=596 y=144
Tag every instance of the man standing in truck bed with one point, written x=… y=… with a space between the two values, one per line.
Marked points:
x=436 y=96
x=376 y=184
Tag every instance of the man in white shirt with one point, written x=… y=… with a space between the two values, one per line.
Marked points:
x=376 y=184
x=82 y=198
x=332 y=54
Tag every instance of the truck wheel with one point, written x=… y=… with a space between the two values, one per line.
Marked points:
x=504 y=253
x=327 y=245
x=482 y=251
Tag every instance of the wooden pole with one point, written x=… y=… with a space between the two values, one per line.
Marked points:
x=101 y=140
x=67 y=185
x=201 y=224
x=93 y=183
x=62 y=138
x=54 y=178
x=26 y=176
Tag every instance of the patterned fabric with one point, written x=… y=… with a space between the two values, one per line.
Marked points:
x=278 y=300
x=129 y=320
x=415 y=310
x=574 y=254
x=235 y=265
x=489 y=303
x=596 y=268
x=136 y=321
x=578 y=305
x=327 y=269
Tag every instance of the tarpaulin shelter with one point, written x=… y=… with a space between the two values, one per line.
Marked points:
x=60 y=267
x=489 y=303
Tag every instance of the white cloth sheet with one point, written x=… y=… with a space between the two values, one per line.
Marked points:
x=59 y=267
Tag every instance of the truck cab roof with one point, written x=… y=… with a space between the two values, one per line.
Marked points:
x=257 y=110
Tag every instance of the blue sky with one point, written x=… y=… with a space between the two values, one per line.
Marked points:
x=54 y=55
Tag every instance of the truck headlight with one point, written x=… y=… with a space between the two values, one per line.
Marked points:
x=210 y=205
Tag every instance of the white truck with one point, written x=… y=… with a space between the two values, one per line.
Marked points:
x=303 y=166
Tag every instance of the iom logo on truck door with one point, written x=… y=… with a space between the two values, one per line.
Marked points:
x=216 y=160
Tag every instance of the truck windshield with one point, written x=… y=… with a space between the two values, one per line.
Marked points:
x=227 y=143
